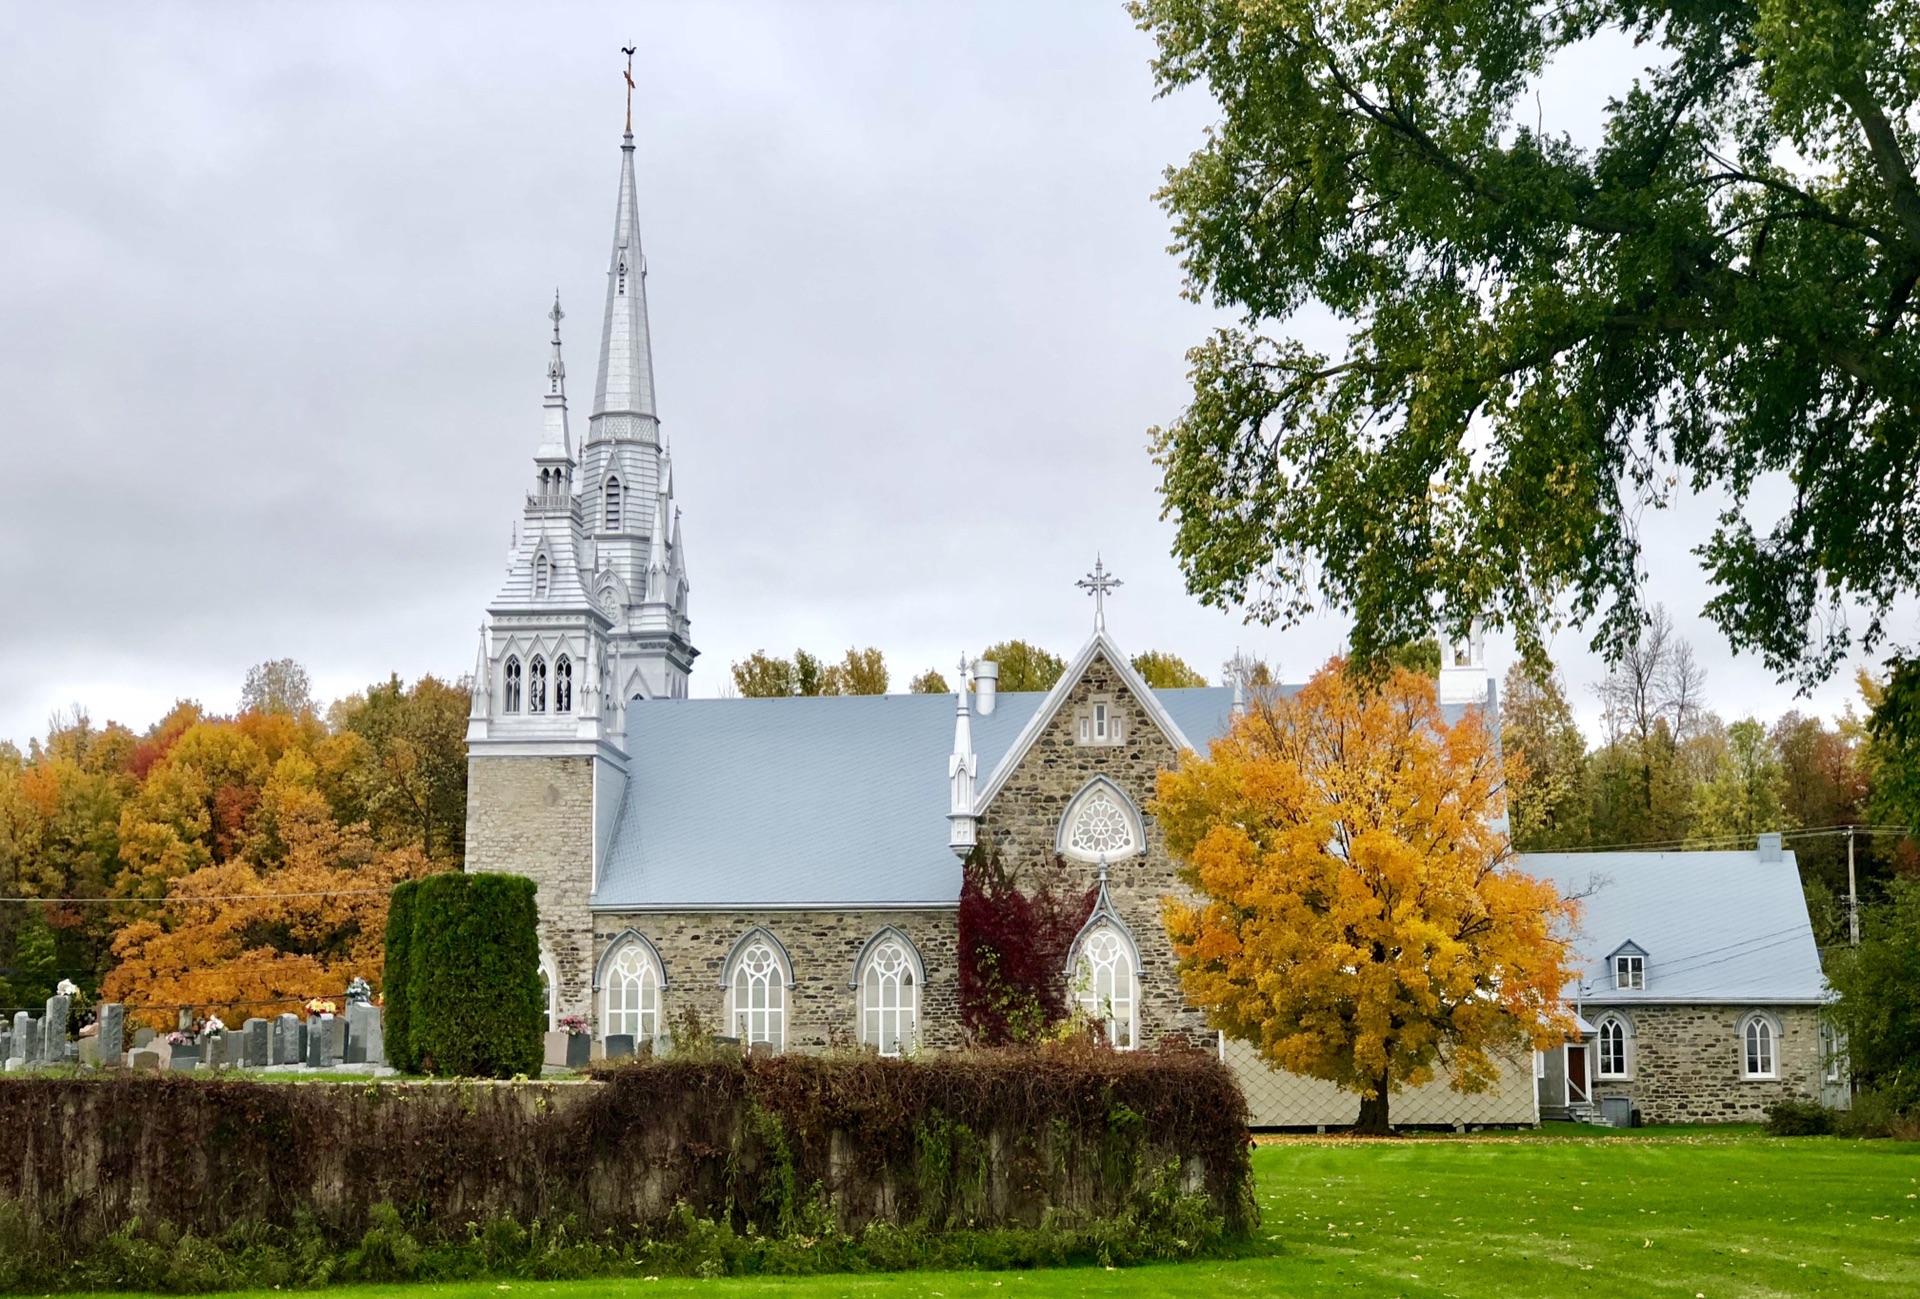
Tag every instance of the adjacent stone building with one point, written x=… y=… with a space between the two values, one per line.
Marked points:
x=1700 y=995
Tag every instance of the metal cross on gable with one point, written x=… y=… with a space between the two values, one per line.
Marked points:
x=1097 y=584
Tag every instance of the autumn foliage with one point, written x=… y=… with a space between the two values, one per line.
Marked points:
x=1356 y=916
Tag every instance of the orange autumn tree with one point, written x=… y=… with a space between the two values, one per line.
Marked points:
x=1356 y=914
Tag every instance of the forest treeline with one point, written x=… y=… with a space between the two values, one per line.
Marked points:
x=1665 y=770
x=235 y=863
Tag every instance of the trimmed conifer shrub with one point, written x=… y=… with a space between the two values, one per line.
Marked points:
x=396 y=981
x=474 y=1003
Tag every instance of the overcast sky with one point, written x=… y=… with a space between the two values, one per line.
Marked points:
x=273 y=294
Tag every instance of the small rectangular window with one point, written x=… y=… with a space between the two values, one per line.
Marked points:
x=1629 y=972
x=1086 y=730
x=1099 y=721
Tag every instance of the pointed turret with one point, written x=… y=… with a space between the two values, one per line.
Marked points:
x=623 y=394
x=554 y=460
x=962 y=766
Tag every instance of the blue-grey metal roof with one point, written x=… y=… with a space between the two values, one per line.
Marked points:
x=833 y=801
x=1715 y=926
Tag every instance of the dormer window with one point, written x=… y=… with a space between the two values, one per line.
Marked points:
x=511 y=676
x=537 y=685
x=563 y=684
x=612 y=502
x=1098 y=722
x=1630 y=971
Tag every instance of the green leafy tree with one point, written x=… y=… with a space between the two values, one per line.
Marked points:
x=1741 y=797
x=1024 y=666
x=1544 y=338
x=762 y=676
x=1548 y=804
x=861 y=672
x=277 y=686
x=1878 y=1013
x=1164 y=671
x=929 y=682
x=415 y=783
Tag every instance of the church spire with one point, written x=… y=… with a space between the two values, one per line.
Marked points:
x=623 y=395
x=556 y=441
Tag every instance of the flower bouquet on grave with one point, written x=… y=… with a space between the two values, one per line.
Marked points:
x=579 y=1039
x=321 y=1006
x=576 y=1025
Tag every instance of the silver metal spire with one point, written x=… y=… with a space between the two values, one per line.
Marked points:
x=556 y=440
x=623 y=393
x=1097 y=584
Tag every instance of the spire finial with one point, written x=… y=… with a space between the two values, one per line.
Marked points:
x=628 y=51
x=556 y=368
x=1097 y=584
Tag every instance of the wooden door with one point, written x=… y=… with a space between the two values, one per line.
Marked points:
x=1577 y=1093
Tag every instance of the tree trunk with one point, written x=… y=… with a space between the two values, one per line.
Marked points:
x=1373 y=1111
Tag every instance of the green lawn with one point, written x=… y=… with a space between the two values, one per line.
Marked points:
x=1652 y=1213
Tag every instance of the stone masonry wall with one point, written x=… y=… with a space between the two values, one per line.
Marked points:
x=1687 y=1063
x=534 y=817
x=822 y=1006
x=1025 y=817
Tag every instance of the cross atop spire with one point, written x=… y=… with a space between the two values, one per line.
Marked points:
x=628 y=51
x=1097 y=584
x=623 y=393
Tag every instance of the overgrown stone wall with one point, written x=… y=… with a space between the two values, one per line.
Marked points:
x=1687 y=1063
x=998 y=1139
x=1025 y=816
x=534 y=817
x=823 y=1005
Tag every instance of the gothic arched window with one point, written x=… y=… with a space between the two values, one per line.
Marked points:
x=563 y=684
x=612 y=493
x=632 y=994
x=550 y=991
x=542 y=574
x=1100 y=822
x=759 y=997
x=889 y=998
x=1104 y=984
x=1614 y=1043
x=537 y=685
x=511 y=676
x=1761 y=1042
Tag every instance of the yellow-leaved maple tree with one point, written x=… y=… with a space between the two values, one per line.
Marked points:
x=1357 y=916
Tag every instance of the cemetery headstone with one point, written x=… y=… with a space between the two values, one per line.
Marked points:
x=335 y=1027
x=144 y=1059
x=20 y=1021
x=90 y=1052
x=619 y=1045
x=54 y=1048
x=320 y=1042
x=555 y=1042
x=186 y=1020
x=255 y=1053
x=113 y=1032
x=142 y=1036
x=6 y=1043
x=286 y=1039
x=363 y=1034
x=33 y=1045
x=215 y=1047
x=183 y=1061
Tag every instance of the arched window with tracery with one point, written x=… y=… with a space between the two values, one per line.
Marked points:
x=1615 y=1046
x=759 y=997
x=631 y=994
x=1104 y=985
x=510 y=689
x=537 y=685
x=1100 y=822
x=612 y=504
x=563 y=684
x=889 y=998
x=1760 y=1044
x=550 y=991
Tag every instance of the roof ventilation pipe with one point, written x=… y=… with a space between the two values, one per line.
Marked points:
x=986 y=686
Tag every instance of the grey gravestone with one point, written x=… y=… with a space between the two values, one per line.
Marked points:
x=336 y=1030
x=6 y=1043
x=33 y=1045
x=254 y=1052
x=182 y=1063
x=90 y=1052
x=142 y=1037
x=59 y=1007
x=113 y=1032
x=286 y=1039
x=320 y=1042
x=363 y=1035
x=186 y=1020
x=216 y=1047
x=20 y=1021
x=619 y=1045
x=143 y=1059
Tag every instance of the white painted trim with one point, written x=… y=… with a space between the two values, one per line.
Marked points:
x=562 y=746
x=746 y=940
x=620 y=940
x=1101 y=644
x=880 y=936
x=1119 y=795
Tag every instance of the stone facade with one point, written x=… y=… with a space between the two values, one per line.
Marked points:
x=822 y=946
x=1686 y=1062
x=1023 y=820
x=534 y=817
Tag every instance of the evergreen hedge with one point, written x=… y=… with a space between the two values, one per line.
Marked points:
x=474 y=1007
x=397 y=981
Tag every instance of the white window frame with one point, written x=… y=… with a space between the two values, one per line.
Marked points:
x=1097 y=788
x=631 y=988
x=758 y=967
x=889 y=992
x=537 y=684
x=562 y=684
x=1630 y=972
x=1613 y=1031
x=1106 y=948
x=550 y=981
x=1832 y=1055
x=1759 y=1048
x=510 y=692
x=1099 y=723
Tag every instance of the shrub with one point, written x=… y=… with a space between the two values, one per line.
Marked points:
x=474 y=1003
x=1799 y=1119
x=397 y=980
x=1874 y=1114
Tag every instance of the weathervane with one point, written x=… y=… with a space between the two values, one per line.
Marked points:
x=628 y=51
x=1097 y=584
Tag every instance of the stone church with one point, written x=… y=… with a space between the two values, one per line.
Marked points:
x=791 y=867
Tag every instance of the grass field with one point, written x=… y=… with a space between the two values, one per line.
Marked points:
x=1653 y=1213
